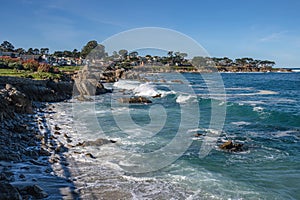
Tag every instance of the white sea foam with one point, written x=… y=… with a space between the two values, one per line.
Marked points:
x=127 y=85
x=146 y=90
x=182 y=98
x=258 y=109
x=241 y=123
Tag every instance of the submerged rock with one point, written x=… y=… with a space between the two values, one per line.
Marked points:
x=230 y=146
x=7 y=191
x=134 y=100
x=97 y=142
x=35 y=191
x=156 y=96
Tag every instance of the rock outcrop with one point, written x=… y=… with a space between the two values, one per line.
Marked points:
x=87 y=82
x=231 y=147
x=134 y=100
x=40 y=90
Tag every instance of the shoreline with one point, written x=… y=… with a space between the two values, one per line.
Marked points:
x=33 y=175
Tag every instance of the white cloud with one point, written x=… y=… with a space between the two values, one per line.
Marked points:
x=273 y=37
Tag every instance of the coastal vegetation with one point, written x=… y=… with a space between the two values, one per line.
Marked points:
x=41 y=64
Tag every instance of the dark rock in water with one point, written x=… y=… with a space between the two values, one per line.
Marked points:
x=22 y=176
x=57 y=128
x=157 y=96
x=90 y=155
x=66 y=136
x=134 y=100
x=7 y=191
x=198 y=134
x=230 y=146
x=38 y=163
x=57 y=133
x=98 y=142
x=35 y=191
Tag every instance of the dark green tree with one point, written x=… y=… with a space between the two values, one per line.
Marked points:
x=20 y=51
x=36 y=51
x=58 y=53
x=123 y=53
x=7 y=46
x=44 y=51
x=30 y=51
x=88 y=48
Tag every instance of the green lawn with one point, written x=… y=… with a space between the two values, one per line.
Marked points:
x=12 y=72
x=28 y=74
x=69 y=68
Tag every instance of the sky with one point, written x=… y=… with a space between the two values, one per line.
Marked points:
x=261 y=29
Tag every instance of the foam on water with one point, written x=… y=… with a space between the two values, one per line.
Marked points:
x=183 y=98
x=146 y=90
x=126 y=84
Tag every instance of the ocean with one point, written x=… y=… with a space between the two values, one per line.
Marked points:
x=158 y=156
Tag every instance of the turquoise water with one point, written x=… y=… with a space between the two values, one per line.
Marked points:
x=262 y=112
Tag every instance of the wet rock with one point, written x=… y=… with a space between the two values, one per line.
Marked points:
x=44 y=152
x=3 y=177
x=156 y=96
x=230 y=146
x=90 y=155
x=198 y=134
x=66 y=136
x=134 y=100
x=57 y=133
x=7 y=191
x=98 y=142
x=22 y=176
x=35 y=191
x=56 y=127
x=38 y=163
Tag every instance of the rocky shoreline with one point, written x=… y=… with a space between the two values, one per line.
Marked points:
x=35 y=156
x=27 y=146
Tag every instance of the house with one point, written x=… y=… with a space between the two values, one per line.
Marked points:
x=11 y=54
x=31 y=57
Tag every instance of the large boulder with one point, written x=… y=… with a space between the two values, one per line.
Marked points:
x=18 y=100
x=87 y=82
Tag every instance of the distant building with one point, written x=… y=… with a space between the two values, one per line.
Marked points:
x=31 y=57
x=11 y=54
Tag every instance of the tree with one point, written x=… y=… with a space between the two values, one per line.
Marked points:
x=20 y=51
x=67 y=53
x=7 y=46
x=199 y=61
x=170 y=54
x=44 y=51
x=123 y=53
x=133 y=54
x=58 y=53
x=75 y=53
x=36 y=51
x=30 y=51
x=88 y=48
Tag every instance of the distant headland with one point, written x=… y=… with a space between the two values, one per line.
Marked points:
x=41 y=64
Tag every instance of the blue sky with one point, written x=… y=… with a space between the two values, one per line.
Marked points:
x=262 y=29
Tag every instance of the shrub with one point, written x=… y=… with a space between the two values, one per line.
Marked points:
x=15 y=65
x=31 y=65
x=56 y=70
x=6 y=61
x=44 y=67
